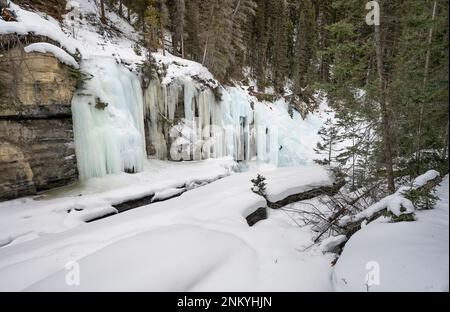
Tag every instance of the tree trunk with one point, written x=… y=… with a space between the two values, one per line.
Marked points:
x=205 y=50
x=3 y=4
x=385 y=118
x=121 y=8
x=425 y=79
x=182 y=46
x=330 y=149
x=102 y=11
x=163 y=44
x=445 y=150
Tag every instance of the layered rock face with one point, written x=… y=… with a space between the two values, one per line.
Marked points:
x=37 y=151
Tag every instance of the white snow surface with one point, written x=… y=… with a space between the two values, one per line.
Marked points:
x=62 y=209
x=423 y=179
x=330 y=243
x=60 y=54
x=287 y=181
x=199 y=241
x=406 y=256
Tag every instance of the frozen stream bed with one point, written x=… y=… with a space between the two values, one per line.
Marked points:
x=199 y=241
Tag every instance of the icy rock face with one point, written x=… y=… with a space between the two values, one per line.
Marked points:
x=187 y=121
x=108 y=120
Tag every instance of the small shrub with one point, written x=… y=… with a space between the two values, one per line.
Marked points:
x=406 y=217
x=149 y=68
x=265 y=97
x=79 y=76
x=421 y=199
x=259 y=185
x=137 y=49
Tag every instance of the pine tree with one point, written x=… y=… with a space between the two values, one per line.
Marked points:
x=192 y=17
x=177 y=9
x=330 y=138
x=304 y=53
x=278 y=44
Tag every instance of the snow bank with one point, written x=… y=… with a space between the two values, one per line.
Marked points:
x=177 y=67
x=60 y=54
x=177 y=258
x=408 y=256
x=197 y=242
x=284 y=182
x=332 y=242
x=425 y=178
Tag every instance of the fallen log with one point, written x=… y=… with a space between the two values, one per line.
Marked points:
x=351 y=227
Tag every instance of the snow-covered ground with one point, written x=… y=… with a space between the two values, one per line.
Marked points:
x=407 y=256
x=61 y=209
x=199 y=241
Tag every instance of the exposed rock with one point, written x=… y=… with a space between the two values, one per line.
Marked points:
x=34 y=85
x=36 y=136
x=258 y=215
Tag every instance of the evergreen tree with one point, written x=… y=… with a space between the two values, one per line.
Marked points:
x=304 y=53
x=330 y=136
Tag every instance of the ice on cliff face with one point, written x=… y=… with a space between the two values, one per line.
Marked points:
x=237 y=125
x=108 y=139
x=185 y=120
x=204 y=128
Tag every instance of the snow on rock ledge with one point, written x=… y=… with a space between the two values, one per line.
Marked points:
x=60 y=54
x=288 y=181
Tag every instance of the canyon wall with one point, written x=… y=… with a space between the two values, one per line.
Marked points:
x=37 y=150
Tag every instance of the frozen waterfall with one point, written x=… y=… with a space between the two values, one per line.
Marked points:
x=186 y=121
x=108 y=120
x=116 y=124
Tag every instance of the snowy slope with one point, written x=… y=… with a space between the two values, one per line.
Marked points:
x=407 y=256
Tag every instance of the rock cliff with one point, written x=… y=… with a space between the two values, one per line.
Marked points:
x=36 y=135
